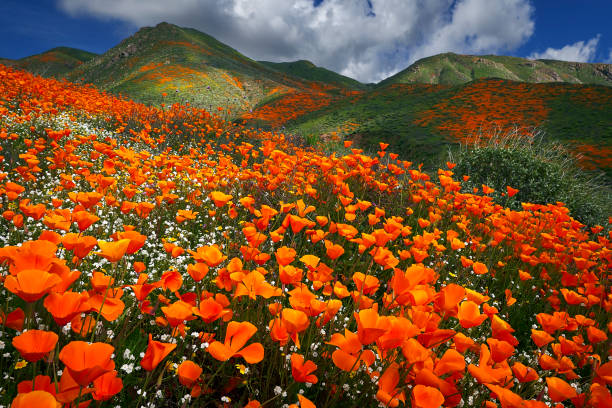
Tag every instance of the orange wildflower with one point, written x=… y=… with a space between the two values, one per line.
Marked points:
x=35 y=344
x=106 y=386
x=38 y=399
x=236 y=336
x=113 y=251
x=219 y=198
x=85 y=362
x=188 y=373
x=559 y=390
x=302 y=371
x=426 y=397
x=31 y=284
x=387 y=392
x=155 y=353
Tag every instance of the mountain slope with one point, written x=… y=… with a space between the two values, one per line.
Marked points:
x=310 y=72
x=421 y=121
x=56 y=62
x=190 y=67
x=455 y=69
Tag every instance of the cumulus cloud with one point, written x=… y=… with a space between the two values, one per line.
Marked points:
x=365 y=39
x=578 y=52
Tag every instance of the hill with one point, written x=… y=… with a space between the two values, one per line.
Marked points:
x=455 y=69
x=190 y=67
x=310 y=72
x=422 y=121
x=56 y=62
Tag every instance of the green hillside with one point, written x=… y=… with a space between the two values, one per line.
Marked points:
x=56 y=62
x=310 y=72
x=421 y=121
x=455 y=69
x=189 y=66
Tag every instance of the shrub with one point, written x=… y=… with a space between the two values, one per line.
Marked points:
x=543 y=172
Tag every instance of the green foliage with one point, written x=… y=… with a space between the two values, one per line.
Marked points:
x=543 y=172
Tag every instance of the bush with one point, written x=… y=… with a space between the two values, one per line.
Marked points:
x=543 y=172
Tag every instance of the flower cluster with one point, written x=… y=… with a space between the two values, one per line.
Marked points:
x=168 y=255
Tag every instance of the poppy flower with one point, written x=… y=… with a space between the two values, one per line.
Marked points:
x=177 y=313
x=137 y=240
x=387 y=392
x=469 y=314
x=113 y=251
x=302 y=371
x=426 y=397
x=480 y=268
x=285 y=255
x=236 y=336
x=38 y=399
x=156 y=352
x=31 y=284
x=188 y=373
x=65 y=306
x=349 y=355
x=106 y=386
x=559 y=390
x=507 y=398
x=370 y=326
x=35 y=344
x=254 y=284
x=197 y=271
x=210 y=310
x=85 y=362
x=219 y=198
x=211 y=255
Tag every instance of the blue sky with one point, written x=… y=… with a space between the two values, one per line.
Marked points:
x=365 y=39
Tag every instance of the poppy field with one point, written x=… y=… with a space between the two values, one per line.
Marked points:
x=165 y=257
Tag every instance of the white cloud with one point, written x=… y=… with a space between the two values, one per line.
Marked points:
x=609 y=60
x=578 y=52
x=346 y=36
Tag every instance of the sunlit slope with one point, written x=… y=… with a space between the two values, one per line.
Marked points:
x=454 y=69
x=56 y=62
x=421 y=121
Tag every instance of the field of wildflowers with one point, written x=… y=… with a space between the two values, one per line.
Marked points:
x=164 y=257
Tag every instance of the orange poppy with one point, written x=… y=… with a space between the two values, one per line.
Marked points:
x=106 y=386
x=85 y=362
x=210 y=310
x=236 y=336
x=188 y=373
x=113 y=251
x=31 y=284
x=349 y=355
x=137 y=240
x=197 y=271
x=285 y=255
x=219 y=198
x=35 y=344
x=211 y=255
x=426 y=397
x=302 y=371
x=480 y=268
x=177 y=313
x=469 y=314
x=38 y=399
x=370 y=326
x=559 y=390
x=156 y=352
x=387 y=392
x=65 y=306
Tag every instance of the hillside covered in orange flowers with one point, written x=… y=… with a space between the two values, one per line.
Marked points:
x=164 y=256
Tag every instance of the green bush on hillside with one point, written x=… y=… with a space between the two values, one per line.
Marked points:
x=543 y=172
